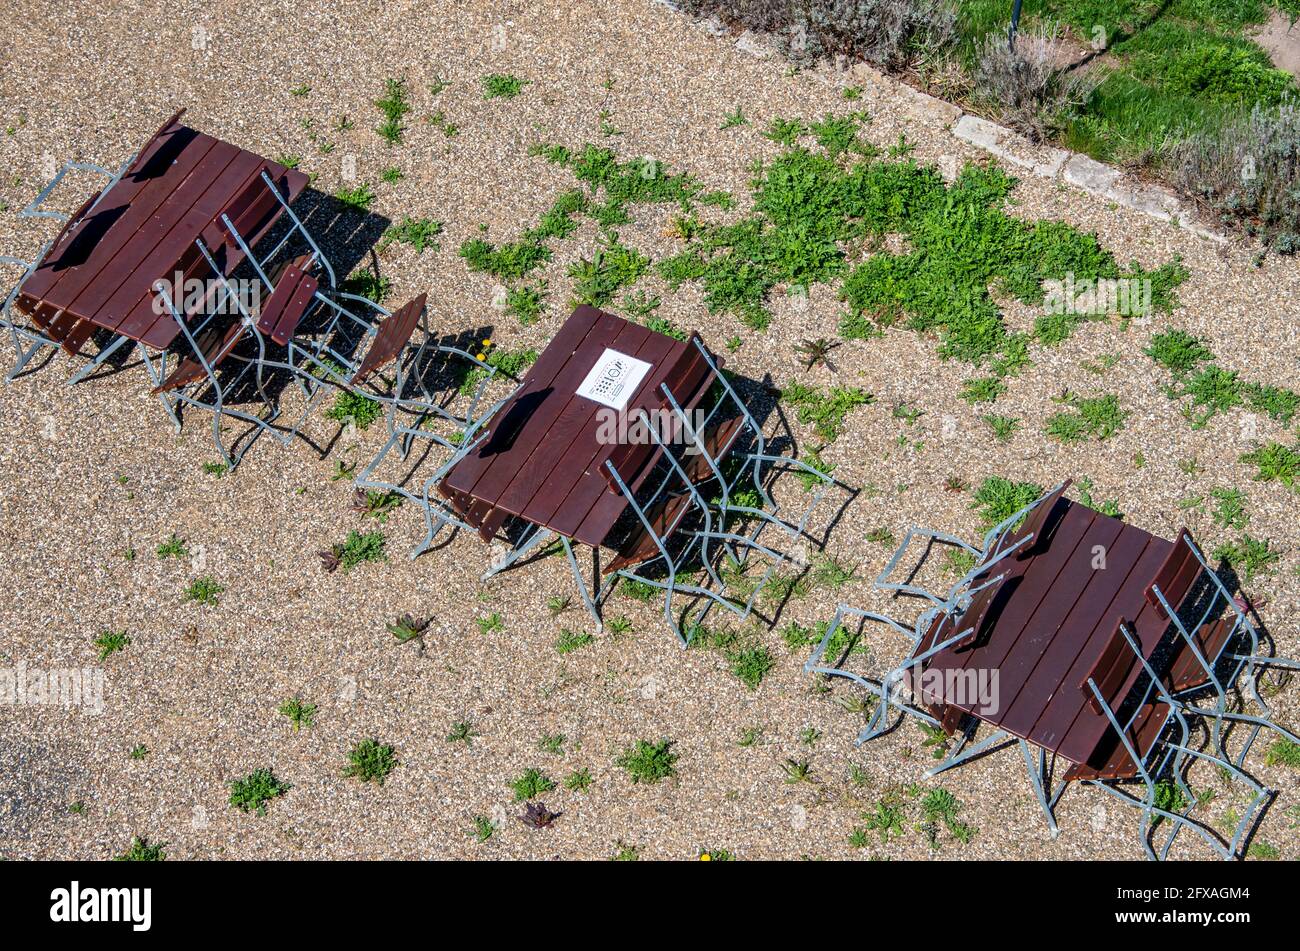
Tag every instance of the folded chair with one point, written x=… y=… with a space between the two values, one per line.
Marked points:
x=29 y=333
x=1008 y=537
x=711 y=479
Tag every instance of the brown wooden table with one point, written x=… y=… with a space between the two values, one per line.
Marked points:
x=543 y=460
x=1053 y=622
x=102 y=270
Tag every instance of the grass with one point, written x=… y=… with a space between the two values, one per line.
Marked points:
x=570 y=641
x=110 y=642
x=1210 y=389
x=997 y=499
x=526 y=302
x=254 y=791
x=142 y=850
x=358 y=197
x=370 y=761
x=1275 y=462
x=174 y=547
x=482 y=828
x=416 y=233
x=394 y=105
x=578 y=781
x=1249 y=557
x=300 y=712
x=490 y=623
x=204 y=591
x=552 y=743
x=502 y=85
x=531 y=784
x=750 y=664
x=647 y=762
x=355 y=409
x=825 y=410
x=462 y=731
x=614 y=266
x=1230 y=508
x=1004 y=427
x=1092 y=417
x=1283 y=752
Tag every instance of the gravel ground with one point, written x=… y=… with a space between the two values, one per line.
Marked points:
x=92 y=472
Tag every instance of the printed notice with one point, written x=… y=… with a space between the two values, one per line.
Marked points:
x=613 y=379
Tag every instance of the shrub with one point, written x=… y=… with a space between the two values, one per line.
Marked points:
x=1247 y=172
x=1030 y=92
x=893 y=34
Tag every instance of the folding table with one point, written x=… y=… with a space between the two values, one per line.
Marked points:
x=104 y=269
x=543 y=460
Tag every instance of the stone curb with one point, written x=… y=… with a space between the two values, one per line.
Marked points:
x=1049 y=162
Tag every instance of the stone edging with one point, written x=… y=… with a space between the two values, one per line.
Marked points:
x=1087 y=174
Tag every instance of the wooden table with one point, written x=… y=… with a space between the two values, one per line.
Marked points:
x=543 y=460
x=101 y=271
x=1053 y=622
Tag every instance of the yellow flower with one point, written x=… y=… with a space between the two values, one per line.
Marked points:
x=706 y=857
x=482 y=356
x=487 y=341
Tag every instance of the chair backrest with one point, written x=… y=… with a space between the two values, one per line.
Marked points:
x=1036 y=522
x=393 y=333
x=1110 y=670
x=289 y=302
x=1176 y=575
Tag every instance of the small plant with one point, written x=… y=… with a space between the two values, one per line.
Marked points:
x=482 y=829
x=797 y=771
x=578 y=781
x=998 y=499
x=142 y=850
x=355 y=409
x=887 y=818
x=502 y=86
x=983 y=389
x=732 y=120
x=552 y=743
x=531 y=784
x=537 y=816
x=1098 y=417
x=526 y=302
x=461 y=732
x=174 y=547
x=356 y=549
x=300 y=91
x=254 y=791
x=750 y=664
x=1276 y=462
x=408 y=627
x=558 y=604
x=215 y=469
x=825 y=410
x=624 y=852
x=420 y=234
x=1283 y=752
x=1177 y=351
x=110 y=642
x=813 y=353
x=375 y=504
x=358 y=198
x=749 y=736
x=391 y=175
x=1230 y=508
x=618 y=626
x=394 y=105
x=1004 y=427
x=370 y=761
x=138 y=752
x=1249 y=557
x=831 y=573
x=570 y=641
x=491 y=623
x=647 y=762
x=300 y=713
x=204 y=591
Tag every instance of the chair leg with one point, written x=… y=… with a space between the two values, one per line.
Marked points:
x=116 y=344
